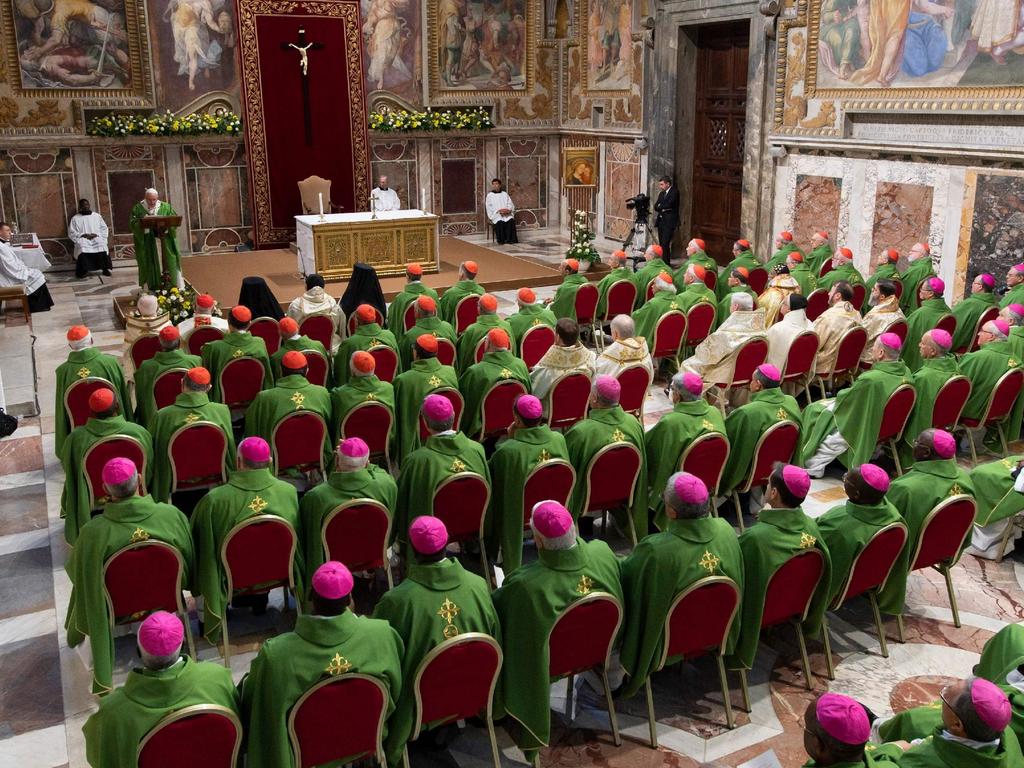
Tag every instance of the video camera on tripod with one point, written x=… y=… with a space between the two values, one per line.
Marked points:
x=636 y=243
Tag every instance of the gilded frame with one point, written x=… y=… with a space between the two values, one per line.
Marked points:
x=582 y=14
x=588 y=155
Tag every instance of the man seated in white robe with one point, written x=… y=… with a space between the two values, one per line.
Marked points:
x=204 y=308
x=627 y=349
x=885 y=310
x=566 y=356
x=833 y=324
x=714 y=359
x=385 y=198
x=316 y=301
x=501 y=213
x=88 y=232
x=13 y=273
x=781 y=335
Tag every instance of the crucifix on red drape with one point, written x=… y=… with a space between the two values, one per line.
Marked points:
x=303 y=49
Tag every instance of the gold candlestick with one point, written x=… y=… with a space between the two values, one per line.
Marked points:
x=373 y=207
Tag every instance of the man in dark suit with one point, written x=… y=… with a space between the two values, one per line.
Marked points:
x=667 y=206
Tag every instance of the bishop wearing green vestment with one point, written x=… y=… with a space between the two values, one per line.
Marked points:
x=438 y=600
x=84 y=362
x=836 y=733
x=842 y=269
x=742 y=257
x=984 y=367
x=413 y=289
x=530 y=443
x=938 y=366
x=996 y=485
x=363 y=386
x=885 y=269
x=1014 y=285
x=498 y=365
x=528 y=603
x=251 y=490
x=154 y=259
x=620 y=271
x=367 y=336
x=105 y=422
x=692 y=546
x=426 y=375
x=128 y=518
x=662 y=302
x=563 y=304
x=427 y=321
x=932 y=309
x=529 y=315
x=1013 y=314
x=466 y=286
x=821 y=251
x=328 y=642
x=782 y=531
x=237 y=342
x=475 y=335
x=170 y=357
x=653 y=266
x=970 y=309
x=165 y=682
x=918 y=270
x=293 y=341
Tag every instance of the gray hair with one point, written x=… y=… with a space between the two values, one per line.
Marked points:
x=566 y=541
x=150 y=191
x=992 y=328
x=679 y=387
x=170 y=343
x=624 y=326
x=440 y=426
x=684 y=510
x=126 y=489
x=661 y=285
x=743 y=302
x=187 y=385
x=421 y=312
x=1013 y=317
x=888 y=353
x=157 y=663
x=345 y=463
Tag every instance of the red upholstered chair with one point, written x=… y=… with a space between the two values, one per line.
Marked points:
x=199 y=736
x=947 y=323
x=949 y=403
x=356 y=533
x=826 y=267
x=568 y=400
x=894 y=420
x=620 y=299
x=758 y=280
x=102 y=451
x=803 y=351
x=581 y=639
x=197 y=453
x=377 y=318
x=669 y=333
x=899 y=289
x=610 y=479
x=455 y=398
x=387 y=362
x=76 y=398
x=699 y=322
x=549 y=480
x=373 y=423
x=1000 y=403
x=987 y=316
x=258 y=555
x=496 y=414
x=455 y=682
x=788 y=596
x=318 y=367
x=705 y=457
x=240 y=381
x=144 y=577
x=851 y=347
x=859 y=294
x=587 y=297
x=777 y=443
x=298 y=442
x=167 y=387
x=817 y=303
x=710 y=278
x=466 y=313
x=339 y=720
x=460 y=502
x=318 y=328
x=943 y=535
x=268 y=330
x=478 y=353
x=635 y=380
x=750 y=355
x=535 y=343
x=698 y=623
x=445 y=351
x=144 y=348
x=199 y=336
x=899 y=327
x=409 y=318
x=649 y=291
x=868 y=574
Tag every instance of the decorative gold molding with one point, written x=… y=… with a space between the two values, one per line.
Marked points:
x=389 y=245
x=582 y=14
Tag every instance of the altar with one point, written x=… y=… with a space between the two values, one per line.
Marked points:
x=330 y=245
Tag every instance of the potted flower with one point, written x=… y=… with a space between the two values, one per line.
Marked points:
x=581 y=242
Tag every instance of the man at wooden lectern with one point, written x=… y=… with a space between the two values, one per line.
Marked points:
x=151 y=220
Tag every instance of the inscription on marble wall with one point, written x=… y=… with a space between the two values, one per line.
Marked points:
x=966 y=134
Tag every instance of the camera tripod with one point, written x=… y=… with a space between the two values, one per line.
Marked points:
x=636 y=243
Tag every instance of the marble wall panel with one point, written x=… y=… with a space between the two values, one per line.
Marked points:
x=523 y=167
x=121 y=174
x=621 y=182
x=457 y=169
x=38 y=194
x=902 y=217
x=218 y=199
x=817 y=206
x=992 y=233
x=397 y=161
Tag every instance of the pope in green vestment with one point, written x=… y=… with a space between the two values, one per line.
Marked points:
x=424 y=376
x=237 y=342
x=251 y=490
x=498 y=365
x=85 y=361
x=298 y=343
x=150 y=370
x=692 y=546
x=530 y=314
x=368 y=334
x=742 y=258
x=412 y=290
x=663 y=301
x=984 y=367
x=466 y=286
x=918 y=270
x=530 y=443
x=970 y=309
x=363 y=386
x=465 y=348
x=151 y=258
x=331 y=641
x=427 y=321
x=937 y=367
x=654 y=266
x=607 y=424
x=845 y=271
x=1015 y=286
x=620 y=271
x=528 y=603
x=564 y=302
x=821 y=251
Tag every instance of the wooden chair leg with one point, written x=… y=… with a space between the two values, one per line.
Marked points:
x=879 y=626
x=803 y=654
x=944 y=568
x=650 y=713
x=829 y=662
x=612 y=717
x=729 y=719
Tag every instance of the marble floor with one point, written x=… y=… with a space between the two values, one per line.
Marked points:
x=44 y=684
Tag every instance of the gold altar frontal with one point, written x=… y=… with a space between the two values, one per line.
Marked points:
x=331 y=245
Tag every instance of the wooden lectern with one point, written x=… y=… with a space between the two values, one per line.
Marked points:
x=159 y=226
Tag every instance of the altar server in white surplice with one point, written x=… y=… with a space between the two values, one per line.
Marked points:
x=13 y=272
x=501 y=213
x=88 y=231
x=385 y=198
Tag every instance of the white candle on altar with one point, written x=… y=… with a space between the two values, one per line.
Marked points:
x=321 y=196
x=423 y=199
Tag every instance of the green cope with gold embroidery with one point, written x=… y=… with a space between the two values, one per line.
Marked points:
x=434 y=326
x=301 y=344
x=617 y=275
x=967 y=313
x=465 y=347
x=355 y=392
x=927 y=380
x=564 y=302
x=526 y=318
x=984 y=367
x=915 y=273
x=744 y=427
x=646 y=318
x=400 y=304
x=451 y=297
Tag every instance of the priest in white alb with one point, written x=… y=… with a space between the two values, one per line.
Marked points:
x=13 y=272
x=501 y=213
x=715 y=358
x=88 y=232
x=385 y=198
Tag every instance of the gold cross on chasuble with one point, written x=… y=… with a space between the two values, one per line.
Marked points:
x=709 y=562
x=375 y=342
x=139 y=535
x=543 y=456
x=339 y=665
x=781 y=414
x=618 y=436
x=806 y=540
x=298 y=398
x=585 y=585
x=1011 y=363
x=954 y=490
x=191 y=418
x=371 y=396
x=457 y=466
x=434 y=381
x=506 y=373
x=258 y=504
x=83 y=372
x=707 y=425
x=237 y=353
x=448 y=611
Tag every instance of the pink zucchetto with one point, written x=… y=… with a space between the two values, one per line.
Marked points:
x=529 y=407
x=770 y=372
x=1017 y=309
x=941 y=338
x=354 y=448
x=990 y=704
x=842 y=718
x=428 y=535
x=332 y=580
x=891 y=340
x=797 y=480
x=693 y=383
x=875 y=476
x=608 y=388
x=987 y=280
x=438 y=408
x=551 y=519
x=117 y=471
x=936 y=285
x=689 y=488
x=944 y=444
x=161 y=634
x=1019 y=268
x=254 y=450
x=1002 y=326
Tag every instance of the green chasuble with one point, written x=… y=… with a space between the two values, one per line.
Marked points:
x=290 y=394
x=248 y=492
x=645 y=274
x=870 y=760
x=808 y=282
x=884 y=272
x=451 y=297
x=665 y=443
x=916 y=272
x=928 y=380
x=365 y=338
x=746 y=424
x=124 y=522
x=690 y=295
x=816 y=259
x=359 y=390
x=725 y=303
x=564 y=303
x=1002 y=654
x=917 y=492
x=82 y=364
x=153 y=258
x=477 y=380
x=74 y=500
x=744 y=259
x=526 y=318
x=857 y=413
x=528 y=603
x=341 y=487
x=601 y=427
x=411 y=387
x=701 y=258
x=662 y=566
x=983 y=367
x=646 y=318
x=434 y=326
x=465 y=347
x=301 y=344
x=780 y=257
x=113 y=734
x=614 y=276
x=146 y=376
x=290 y=664
x=511 y=463
x=778 y=535
x=1017 y=341
x=994 y=491
x=846 y=272
x=1013 y=296
x=425 y=468
x=400 y=304
x=847 y=529
x=187 y=408
x=938 y=752
x=436 y=601
x=235 y=344
x=967 y=313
